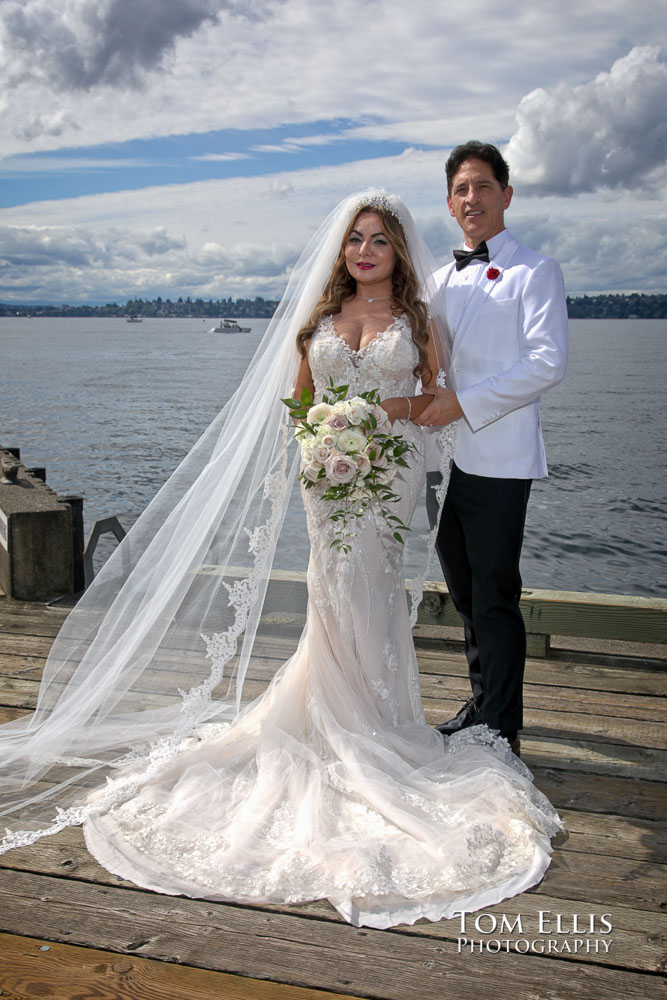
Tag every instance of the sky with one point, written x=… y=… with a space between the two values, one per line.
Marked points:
x=190 y=147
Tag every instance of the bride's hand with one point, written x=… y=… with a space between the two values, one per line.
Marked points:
x=404 y=407
x=396 y=407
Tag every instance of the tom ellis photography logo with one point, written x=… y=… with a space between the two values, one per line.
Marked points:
x=544 y=933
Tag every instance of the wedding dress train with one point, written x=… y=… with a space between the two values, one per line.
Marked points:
x=331 y=785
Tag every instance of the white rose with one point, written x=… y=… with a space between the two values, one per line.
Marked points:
x=363 y=463
x=340 y=407
x=327 y=439
x=307 y=453
x=312 y=471
x=318 y=413
x=355 y=413
x=351 y=440
x=322 y=452
x=381 y=417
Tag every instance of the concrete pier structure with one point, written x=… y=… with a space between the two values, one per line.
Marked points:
x=36 y=534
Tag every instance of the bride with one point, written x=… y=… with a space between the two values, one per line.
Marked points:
x=148 y=728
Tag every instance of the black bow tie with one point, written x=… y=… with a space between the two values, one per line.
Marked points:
x=464 y=257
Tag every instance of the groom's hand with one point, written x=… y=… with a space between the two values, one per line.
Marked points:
x=444 y=409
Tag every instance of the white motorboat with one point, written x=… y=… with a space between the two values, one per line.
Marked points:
x=229 y=326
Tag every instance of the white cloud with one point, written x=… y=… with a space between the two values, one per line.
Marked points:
x=235 y=236
x=432 y=73
x=34 y=259
x=83 y=43
x=220 y=157
x=83 y=72
x=64 y=164
x=238 y=236
x=603 y=252
x=610 y=132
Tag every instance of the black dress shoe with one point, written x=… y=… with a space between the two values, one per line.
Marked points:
x=514 y=742
x=469 y=715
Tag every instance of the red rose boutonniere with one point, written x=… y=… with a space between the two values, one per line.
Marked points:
x=493 y=273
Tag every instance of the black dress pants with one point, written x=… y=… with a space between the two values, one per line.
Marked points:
x=479 y=546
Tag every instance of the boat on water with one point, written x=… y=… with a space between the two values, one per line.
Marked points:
x=133 y=319
x=229 y=326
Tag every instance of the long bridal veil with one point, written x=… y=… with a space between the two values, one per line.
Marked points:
x=196 y=608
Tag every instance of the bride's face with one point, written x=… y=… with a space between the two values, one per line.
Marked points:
x=369 y=256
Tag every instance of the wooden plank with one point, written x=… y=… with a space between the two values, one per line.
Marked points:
x=9 y=714
x=32 y=968
x=447 y=664
x=389 y=965
x=434 y=658
x=609 y=704
x=21 y=666
x=607 y=794
x=22 y=691
x=597 y=881
x=546 y=612
x=23 y=624
x=451 y=683
x=26 y=645
x=636 y=942
x=615 y=836
x=594 y=758
x=552 y=612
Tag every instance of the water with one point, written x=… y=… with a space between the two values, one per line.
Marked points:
x=110 y=409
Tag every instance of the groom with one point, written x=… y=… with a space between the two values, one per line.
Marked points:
x=506 y=317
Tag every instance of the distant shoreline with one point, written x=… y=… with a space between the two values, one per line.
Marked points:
x=617 y=306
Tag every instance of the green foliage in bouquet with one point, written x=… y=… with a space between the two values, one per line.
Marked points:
x=349 y=452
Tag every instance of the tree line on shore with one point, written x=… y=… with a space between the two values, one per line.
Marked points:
x=159 y=307
x=609 y=306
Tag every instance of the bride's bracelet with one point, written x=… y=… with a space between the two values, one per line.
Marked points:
x=409 y=402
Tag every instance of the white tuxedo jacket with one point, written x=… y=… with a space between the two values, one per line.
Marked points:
x=506 y=344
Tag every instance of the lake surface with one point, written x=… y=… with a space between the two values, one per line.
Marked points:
x=110 y=408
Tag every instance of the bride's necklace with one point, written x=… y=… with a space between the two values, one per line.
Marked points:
x=375 y=298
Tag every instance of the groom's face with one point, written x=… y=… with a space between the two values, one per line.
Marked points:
x=478 y=202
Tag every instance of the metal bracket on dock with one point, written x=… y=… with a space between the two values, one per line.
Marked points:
x=106 y=526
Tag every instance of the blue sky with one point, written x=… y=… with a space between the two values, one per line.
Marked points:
x=180 y=159
x=189 y=147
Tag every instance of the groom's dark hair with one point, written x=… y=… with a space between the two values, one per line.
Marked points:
x=475 y=150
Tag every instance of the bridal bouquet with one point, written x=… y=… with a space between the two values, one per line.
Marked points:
x=347 y=446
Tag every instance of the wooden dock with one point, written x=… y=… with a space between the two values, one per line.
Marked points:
x=596 y=740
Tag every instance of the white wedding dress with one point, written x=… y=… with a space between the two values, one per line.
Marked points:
x=331 y=785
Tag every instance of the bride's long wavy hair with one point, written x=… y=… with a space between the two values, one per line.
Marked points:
x=405 y=292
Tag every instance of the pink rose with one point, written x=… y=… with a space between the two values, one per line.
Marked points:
x=340 y=468
x=337 y=421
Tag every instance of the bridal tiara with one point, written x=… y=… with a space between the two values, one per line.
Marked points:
x=375 y=198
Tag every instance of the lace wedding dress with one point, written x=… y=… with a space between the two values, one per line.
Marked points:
x=331 y=785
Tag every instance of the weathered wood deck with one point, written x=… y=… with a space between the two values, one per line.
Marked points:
x=596 y=740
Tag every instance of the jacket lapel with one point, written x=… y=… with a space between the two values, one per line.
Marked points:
x=484 y=287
